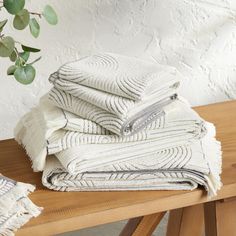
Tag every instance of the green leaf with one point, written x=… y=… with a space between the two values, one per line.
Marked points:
x=11 y=70
x=13 y=56
x=14 y=6
x=50 y=15
x=24 y=56
x=25 y=75
x=34 y=27
x=21 y=19
x=29 y=49
x=6 y=46
x=2 y=24
x=19 y=62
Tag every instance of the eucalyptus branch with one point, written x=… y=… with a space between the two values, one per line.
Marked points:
x=22 y=71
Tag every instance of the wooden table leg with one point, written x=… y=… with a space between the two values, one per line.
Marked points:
x=142 y=226
x=220 y=217
x=130 y=226
x=186 y=221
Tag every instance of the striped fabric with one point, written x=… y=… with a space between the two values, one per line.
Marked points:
x=15 y=207
x=117 y=92
x=178 y=168
x=6 y=185
x=50 y=130
x=112 y=122
x=120 y=75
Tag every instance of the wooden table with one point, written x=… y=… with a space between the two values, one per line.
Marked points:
x=76 y=210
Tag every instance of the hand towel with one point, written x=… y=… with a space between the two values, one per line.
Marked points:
x=49 y=130
x=177 y=168
x=118 y=88
x=16 y=208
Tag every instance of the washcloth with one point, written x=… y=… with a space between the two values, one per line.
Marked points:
x=16 y=208
x=118 y=92
x=178 y=168
x=47 y=129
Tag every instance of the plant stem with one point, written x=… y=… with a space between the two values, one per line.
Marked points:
x=31 y=63
x=16 y=51
x=21 y=60
x=36 y=13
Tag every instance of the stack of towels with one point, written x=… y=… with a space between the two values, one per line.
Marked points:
x=113 y=122
x=15 y=207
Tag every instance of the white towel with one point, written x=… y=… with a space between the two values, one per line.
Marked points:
x=49 y=130
x=178 y=168
x=117 y=92
x=113 y=122
x=16 y=208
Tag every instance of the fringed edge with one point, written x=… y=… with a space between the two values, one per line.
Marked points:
x=28 y=134
x=213 y=154
x=18 y=191
x=24 y=210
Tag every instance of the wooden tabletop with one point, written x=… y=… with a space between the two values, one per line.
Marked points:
x=68 y=211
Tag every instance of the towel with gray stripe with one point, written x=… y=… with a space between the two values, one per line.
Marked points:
x=113 y=122
x=16 y=208
x=120 y=93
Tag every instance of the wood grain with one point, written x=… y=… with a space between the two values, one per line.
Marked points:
x=141 y=226
x=186 y=221
x=75 y=210
x=130 y=226
x=220 y=218
x=148 y=224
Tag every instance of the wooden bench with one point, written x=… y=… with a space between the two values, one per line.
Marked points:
x=68 y=211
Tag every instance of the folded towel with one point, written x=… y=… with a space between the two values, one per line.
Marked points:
x=15 y=207
x=117 y=92
x=178 y=168
x=50 y=130
x=76 y=157
x=112 y=122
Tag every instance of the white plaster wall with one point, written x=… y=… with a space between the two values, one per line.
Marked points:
x=196 y=36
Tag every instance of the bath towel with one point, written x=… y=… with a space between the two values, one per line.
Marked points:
x=113 y=122
x=181 y=167
x=16 y=208
x=118 y=92
x=47 y=130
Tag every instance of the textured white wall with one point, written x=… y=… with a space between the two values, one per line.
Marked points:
x=196 y=36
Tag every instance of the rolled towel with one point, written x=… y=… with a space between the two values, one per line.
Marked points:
x=118 y=92
x=16 y=208
x=178 y=168
x=50 y=130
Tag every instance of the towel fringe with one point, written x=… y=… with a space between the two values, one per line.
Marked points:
x=9 y=198
x=32 y=136
x=23 y=211
x=213 y=154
